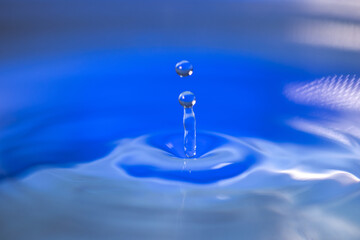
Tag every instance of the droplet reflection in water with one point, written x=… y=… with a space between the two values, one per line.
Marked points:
x=184 y=68
x=187 y=100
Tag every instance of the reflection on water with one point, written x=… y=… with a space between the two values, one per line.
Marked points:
x=80 y=82
x=278 y=181
x=340 y=93
x=295 y=192
x=336 y=92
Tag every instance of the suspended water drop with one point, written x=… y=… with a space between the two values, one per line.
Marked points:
x=187 y=100
x=184 y=68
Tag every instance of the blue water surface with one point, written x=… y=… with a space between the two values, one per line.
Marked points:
x=77 y=106
x=91 y=127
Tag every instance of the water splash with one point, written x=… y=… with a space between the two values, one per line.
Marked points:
x=158 y=156
x=187 y=100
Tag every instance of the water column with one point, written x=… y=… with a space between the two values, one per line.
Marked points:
x=187 y=100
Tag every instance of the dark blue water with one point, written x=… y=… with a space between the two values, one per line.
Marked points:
x=91 y=142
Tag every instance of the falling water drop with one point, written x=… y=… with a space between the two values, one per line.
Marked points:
x=184 y=68
x=187 y=100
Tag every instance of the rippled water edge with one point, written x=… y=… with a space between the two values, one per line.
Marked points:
x=283 y=196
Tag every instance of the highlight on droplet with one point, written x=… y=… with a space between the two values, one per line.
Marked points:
x=184 y=68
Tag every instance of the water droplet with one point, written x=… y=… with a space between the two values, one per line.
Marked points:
x=187 y=99
x=184 y=68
